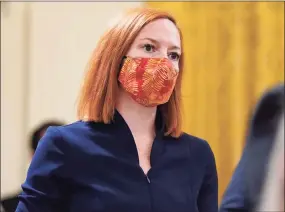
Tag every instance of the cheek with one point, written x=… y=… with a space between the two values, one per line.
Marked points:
x=133 y=52
x=136 y=52
x=175 y=65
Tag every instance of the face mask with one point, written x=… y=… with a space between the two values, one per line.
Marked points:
x=149 y=81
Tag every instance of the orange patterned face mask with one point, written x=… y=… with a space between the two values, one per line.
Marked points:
x=149 y=81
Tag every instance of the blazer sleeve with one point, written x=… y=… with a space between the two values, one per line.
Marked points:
x=208 y=195
x=44 y=185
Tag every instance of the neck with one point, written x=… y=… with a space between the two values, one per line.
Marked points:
x=140 y=119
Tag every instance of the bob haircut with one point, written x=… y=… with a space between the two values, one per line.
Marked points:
x=97 y=99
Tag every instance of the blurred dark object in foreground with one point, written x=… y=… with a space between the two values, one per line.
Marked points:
x=272 y=195
x=243 y=192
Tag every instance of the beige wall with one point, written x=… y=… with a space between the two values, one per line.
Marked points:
x=45 y=47
x=13 y=93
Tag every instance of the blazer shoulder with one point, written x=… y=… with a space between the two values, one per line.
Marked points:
x=198 y=146
x=76 y=129
x=194 y=141
x=72 y=126
x=81 y=135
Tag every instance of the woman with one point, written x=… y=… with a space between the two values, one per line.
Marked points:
x=127 y=153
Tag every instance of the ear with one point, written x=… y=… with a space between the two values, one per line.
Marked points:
x=122 y=62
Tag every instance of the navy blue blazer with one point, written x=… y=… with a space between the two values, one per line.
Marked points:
x=94 y=167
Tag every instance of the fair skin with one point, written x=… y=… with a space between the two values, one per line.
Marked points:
x=158 y=39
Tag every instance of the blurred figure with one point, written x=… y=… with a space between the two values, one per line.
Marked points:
x=243 y=192
x=10 y=203
x=1 y=208
x=272 y=196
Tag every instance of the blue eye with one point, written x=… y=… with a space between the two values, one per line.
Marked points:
x=173 y=56
x=148 y=48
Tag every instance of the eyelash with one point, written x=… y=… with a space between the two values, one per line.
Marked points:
x=148 y=45
x=176 y=54
x=153 y=49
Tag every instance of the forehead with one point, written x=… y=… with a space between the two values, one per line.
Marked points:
x=161 y=30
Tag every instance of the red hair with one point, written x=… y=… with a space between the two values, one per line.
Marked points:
x=97 y=98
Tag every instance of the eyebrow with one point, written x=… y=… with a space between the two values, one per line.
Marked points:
x=156 y=42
